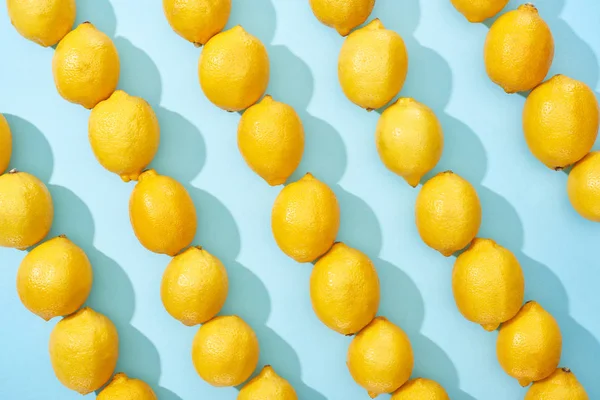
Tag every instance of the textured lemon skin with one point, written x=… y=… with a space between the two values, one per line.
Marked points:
x=488 y=284
x=124 y=134
x=84 y=348
x=380 y=357
x=271 y=140
x=342 y=15
x=344 y=289
x=409 y=139
x=583 y=186
x=197 y=20
x=225 y=351
x=560 y=121
x=479 y=10
x=26 y=210
x=86 y=66
x=561 y=385
x=448 y=213
x=519 y=49
x=194 y=286
x=372 y=65
x=234 y=69
x=305 y=219
x=267 y=385
x=54 y=279
x=44 y=22
x=5 y=144
x=123 y=388
x=529 y=345
x=421 y=389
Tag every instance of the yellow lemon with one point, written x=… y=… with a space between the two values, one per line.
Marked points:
x=86 y=66
x=305 y=219
x=479 y=10
x=234 y=69
x=197 y=20
x=342 y=15
x=225 y=351
x=421 y=389
x=560 y=121
x=561 y=385
x=194 y=286
x=372 y=65
x=124 y=388
x=519 y=50
x=344 y=289
x=44 y=22
x=55 y=278
x=409 y=139
x=529 y=345
x=162 y=214
x=448 y=213
x=84 y=348
x=488 y=284
x=583 y=186
x=267 y=385
x=5 y=144
x=26 y=210
x=271 y=140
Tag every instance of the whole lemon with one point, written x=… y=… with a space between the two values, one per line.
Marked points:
x=225 y=351
x=124 y=388
x=26 y=210
x=409 y=139
x=560 y=121
x=421 y=389
x=44 y=22
x=194 y=286
x=86 y=66
x=234 y=69
x=344 y=289
x=561 y=385
x=84 y=348
x=55 y=278
x=372 y=65
x=479 y=10
x=305 y=219
x=583 y=186
x=124 y=134
x=162 y=214
x=529 y=345
x=5 y=144
x=271 y=140
x=197 y=20
x=488 y=284
x=342 y=15
x=267 y=385
x=380 y=357
x=519 y=50
x=448 y=213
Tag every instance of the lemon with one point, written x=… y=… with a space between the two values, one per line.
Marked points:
x=271 y=140
x=519 y=50
x=372 y=65
x=26 y=210
x=84 y=348
x=529 y=345
x=44 y=22
x=479 y=10
x=234 y=69
x=55 y=278
x=267 y=385
x=421 y=389
x=86 y=66
x=5 y=144
x=342 y=15
x=194 y=286
x=409 y=139
x=561 y=385
x=162 y=214
x=344 y=289
x=225 y=351
x=448 y=213
x=305 y=219
x=583 y=186
x=124 y=388
x=560 y=121
x=197 y=20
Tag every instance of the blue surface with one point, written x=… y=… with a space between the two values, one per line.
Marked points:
x=525 y=206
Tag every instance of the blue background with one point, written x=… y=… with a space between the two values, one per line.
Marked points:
x=525 y=206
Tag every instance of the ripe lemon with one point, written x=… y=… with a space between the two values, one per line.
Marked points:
x=44 y=22
x=124 y=388
x=583 y=186
x=162 y=214
x=342 y=15
x=5 y=144
x=197 y=20
x=421 y=389
x=561 y=385
x=479 y=10
x=267 y=385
